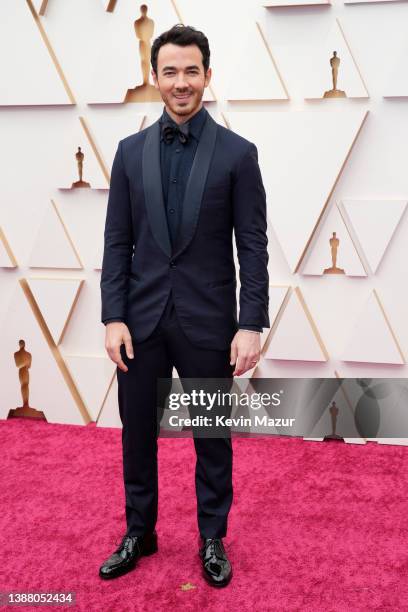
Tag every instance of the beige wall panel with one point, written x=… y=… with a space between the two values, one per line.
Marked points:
x=255 y=76
x=56 y=299
x=29 y=75
x=49 y=391
x=317 y=72
x=300 y=166
x=318 y=259
x=109 y=415
x=53 y=247
x=373 y=223
x=372 y=338
x=92 y=375
x=83 y=214
x=295 y=336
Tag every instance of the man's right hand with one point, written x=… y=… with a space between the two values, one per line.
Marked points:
x=117 y=334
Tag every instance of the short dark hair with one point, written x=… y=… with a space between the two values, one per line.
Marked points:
x=181 y=35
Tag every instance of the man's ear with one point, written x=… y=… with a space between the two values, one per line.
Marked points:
x=154 y=77
x=208 y=75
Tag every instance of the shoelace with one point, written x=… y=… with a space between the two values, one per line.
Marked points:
x=213 y=547
x=124 y=544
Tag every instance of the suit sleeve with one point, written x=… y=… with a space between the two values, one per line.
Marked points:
x=118 y=245
x=250 y=223
x=251 y=328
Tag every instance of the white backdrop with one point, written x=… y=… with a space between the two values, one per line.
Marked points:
x=327 y=164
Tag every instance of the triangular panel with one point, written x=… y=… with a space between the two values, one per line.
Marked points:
x=29 y=74
x=372 y=339
x=300 y=166
x=79 y=143
x=107 y=130
x=277 y=297
x=256 y=76
x=373 y=223
x=295 y=335
x=55 y=297
x=92 y=376
x=53 y=248
x=50 y=389
x=397 y=82
x=323 y=252
x=109 y=415
x=83 y=214
x=317 y=71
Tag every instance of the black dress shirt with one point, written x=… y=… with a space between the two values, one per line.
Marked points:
x=176 y=160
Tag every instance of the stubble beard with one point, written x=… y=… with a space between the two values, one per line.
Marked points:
x=189 y=109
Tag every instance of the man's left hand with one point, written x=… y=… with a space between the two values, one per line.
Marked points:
x=245 y=351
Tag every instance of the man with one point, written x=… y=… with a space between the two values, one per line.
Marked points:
x=178 y=190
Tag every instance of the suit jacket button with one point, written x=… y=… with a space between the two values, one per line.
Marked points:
x=172 y=264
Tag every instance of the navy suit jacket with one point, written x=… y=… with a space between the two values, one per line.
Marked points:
x=224 y=193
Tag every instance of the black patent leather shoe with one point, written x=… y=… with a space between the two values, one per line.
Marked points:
x=126 y=556
x=216 y=567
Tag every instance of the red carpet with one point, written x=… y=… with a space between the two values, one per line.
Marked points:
x=314 y=526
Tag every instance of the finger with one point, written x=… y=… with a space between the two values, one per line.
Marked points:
x=253 y=361
x=115 y=353
x=129 y=347
x=248 y=365
x=122 y=365
x=237 y=371
x=116 y=357
x=233 y=355
x=245 y=365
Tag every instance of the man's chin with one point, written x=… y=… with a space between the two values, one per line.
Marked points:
x=183 y=109
x=184 y=105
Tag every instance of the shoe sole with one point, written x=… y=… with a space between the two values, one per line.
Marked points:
x=146 y=552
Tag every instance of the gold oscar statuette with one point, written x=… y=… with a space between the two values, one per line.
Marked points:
x=334 y=245
x=22 y=359
x=79 y=156
x=334 y=93
x=334 y=411
x=144 y=28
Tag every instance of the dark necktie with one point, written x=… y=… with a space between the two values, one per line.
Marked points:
x=170 y=130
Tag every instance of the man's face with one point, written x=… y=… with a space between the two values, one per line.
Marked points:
x=180 y=78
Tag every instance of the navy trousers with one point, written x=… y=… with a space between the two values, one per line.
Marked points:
x=154 y=358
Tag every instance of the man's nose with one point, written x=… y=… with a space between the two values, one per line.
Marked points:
x=181 y=81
